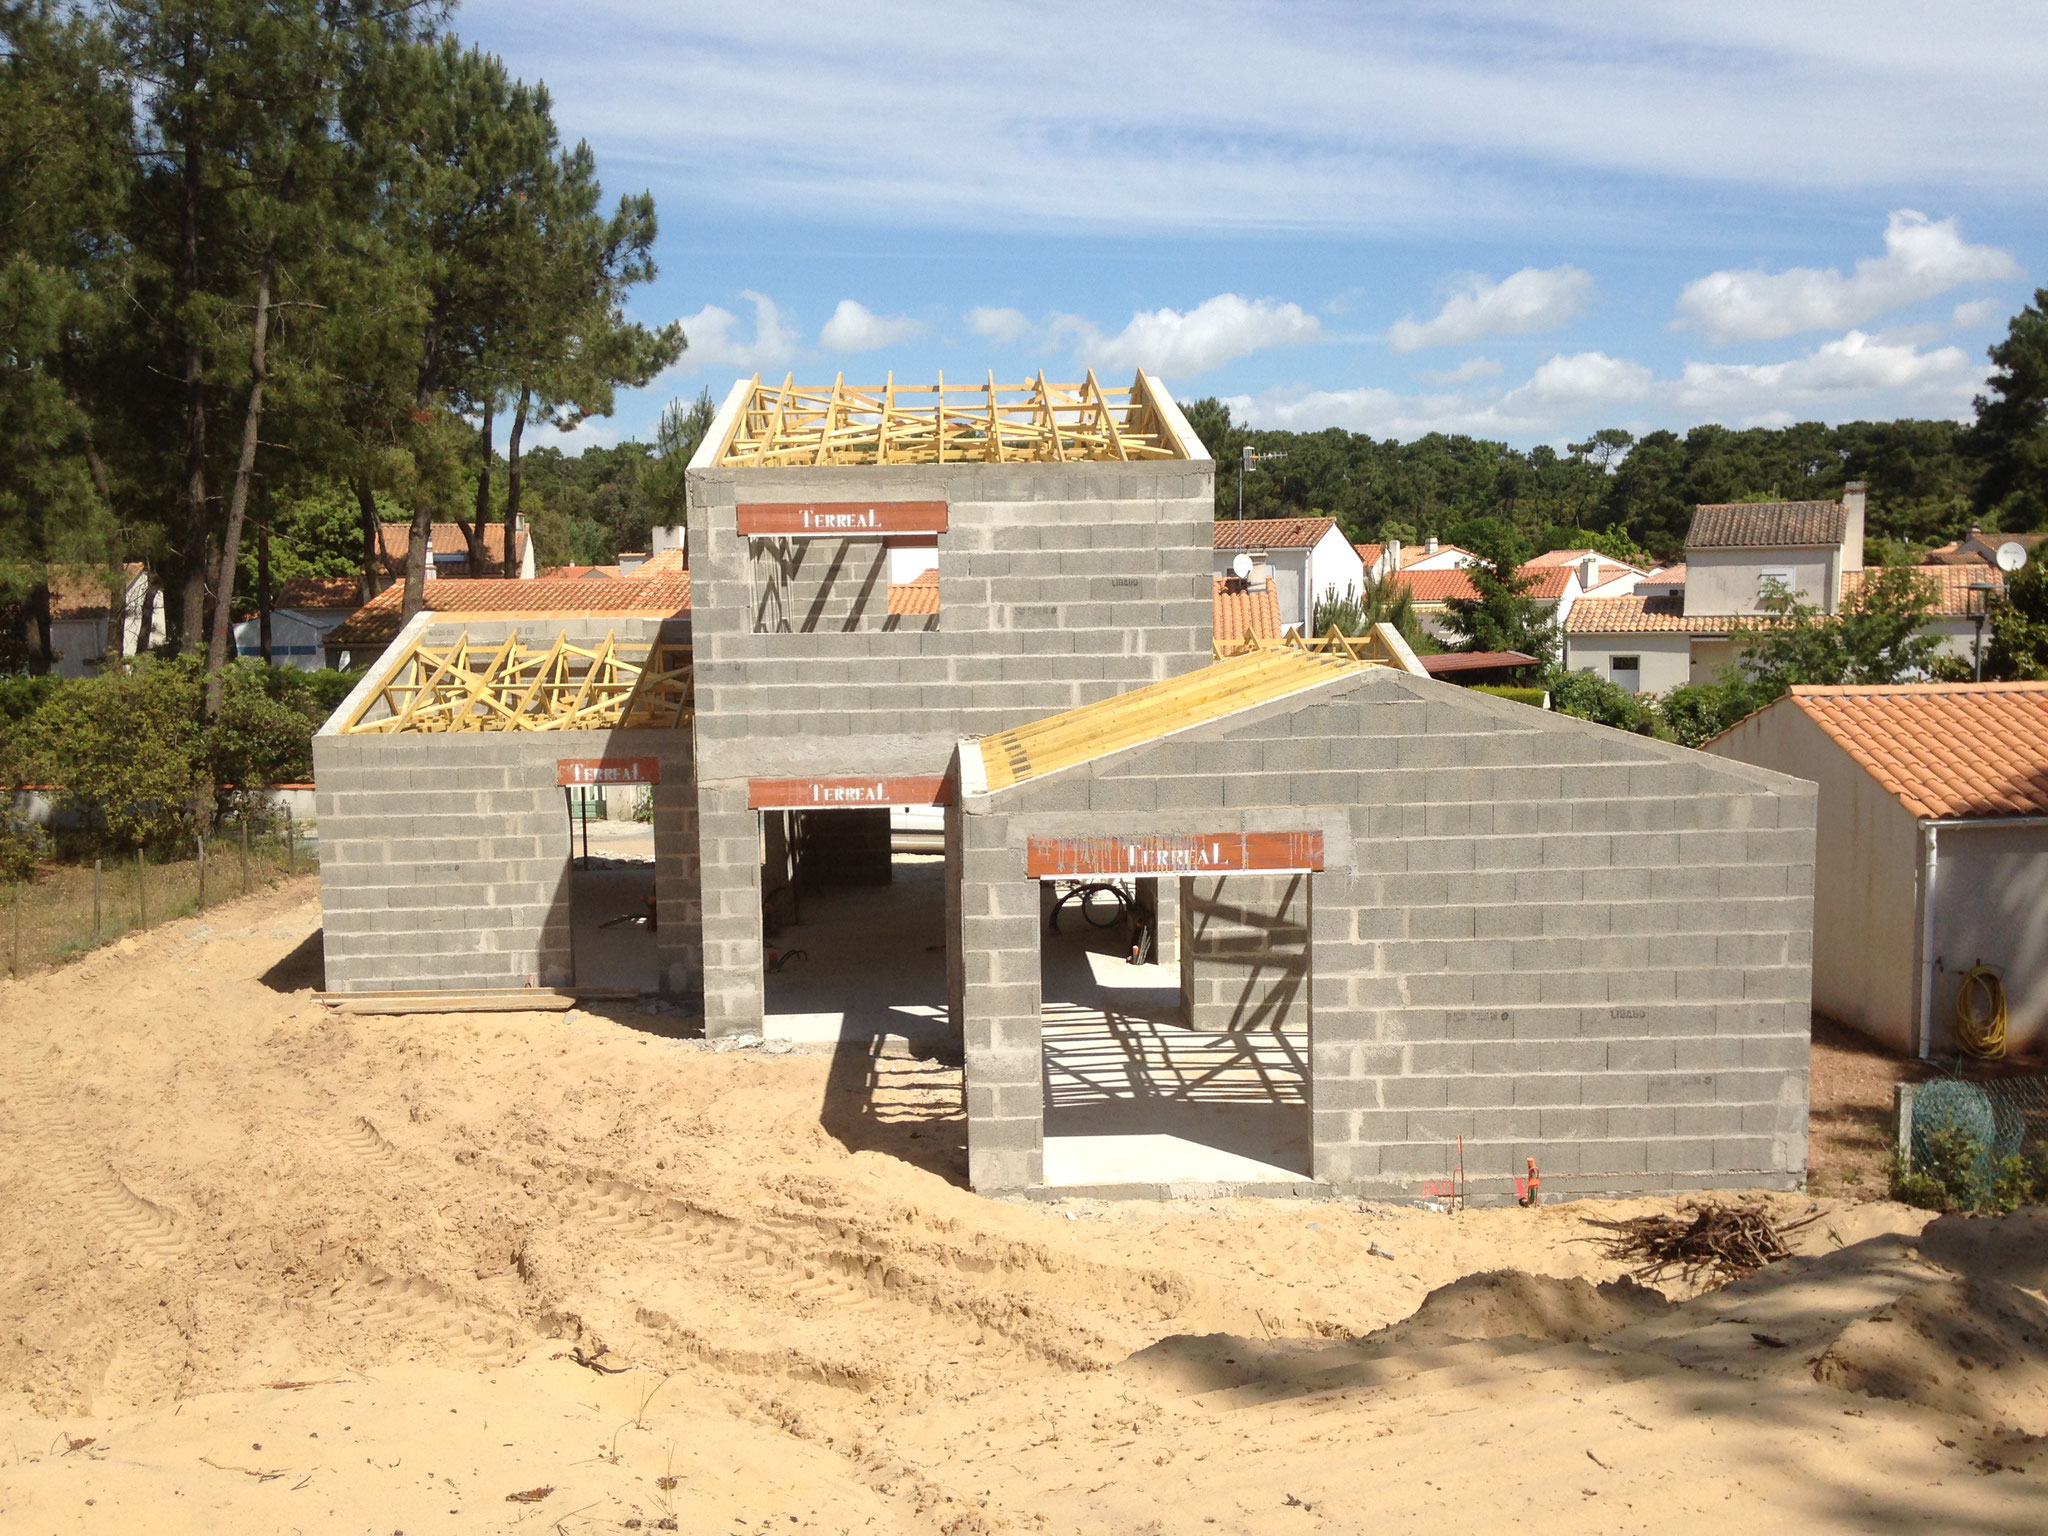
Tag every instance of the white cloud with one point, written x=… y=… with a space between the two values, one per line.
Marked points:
x=856 y=328
x=1968 y=316
x=1922 y=257
x=1834 y=374
x=591 y=432
x=1583 y=378
x=1472 y=368
x=715 y=341
x=1533 y=299
x=998 y=324
x=1169 y=342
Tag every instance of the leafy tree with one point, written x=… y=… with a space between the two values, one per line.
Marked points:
x=2011 y=436
x=1695 y=713
x=2016 y=643
x=1879 y=636
x=1501 y=617
x=1592 y=697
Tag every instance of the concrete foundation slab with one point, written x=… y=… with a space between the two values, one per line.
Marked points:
x=873 y=961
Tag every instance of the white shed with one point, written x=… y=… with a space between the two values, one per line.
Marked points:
x=1932 y=849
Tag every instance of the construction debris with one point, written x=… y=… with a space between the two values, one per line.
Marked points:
x=1721 y=1241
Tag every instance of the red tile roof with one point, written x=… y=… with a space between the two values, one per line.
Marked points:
x=1944 y=749
x=1547 y=584
x=1273 y=532
x=663 y=562
x=915 y=597
x=378 y=621
x=1636 y=615
x=1475 y=661
x=1370 y=553
x=84 y=591
x=1240 y=611
x=316 y=592
x=1954 y=599
x=395 y=539
x=1767 y=525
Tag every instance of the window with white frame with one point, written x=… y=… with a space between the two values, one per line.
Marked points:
x=1774 y=577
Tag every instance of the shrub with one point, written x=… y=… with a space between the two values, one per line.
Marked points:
x=1590 y=697
x=23 y=845
x=1536 y=697
x=1695 y=713
x=127 y=747
x=1954 y=1171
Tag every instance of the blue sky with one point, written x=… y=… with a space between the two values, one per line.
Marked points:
x=1519 y=221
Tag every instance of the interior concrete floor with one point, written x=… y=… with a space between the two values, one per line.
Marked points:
x=1134 y=1096
x=863 y=963
x=614 y=943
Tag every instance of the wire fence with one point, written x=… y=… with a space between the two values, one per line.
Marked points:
x=2003 y=1116
x=72 y=908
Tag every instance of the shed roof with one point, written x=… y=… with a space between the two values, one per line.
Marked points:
x=1157 y=710
x=1767 y=525
x=1944 y=749
x=1476 y=661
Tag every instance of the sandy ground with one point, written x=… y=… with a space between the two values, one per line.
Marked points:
x=266 y=1268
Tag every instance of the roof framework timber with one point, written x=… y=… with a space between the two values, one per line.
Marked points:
x=513 y=687
x=983 y=423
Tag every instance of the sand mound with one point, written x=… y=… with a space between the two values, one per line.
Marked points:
x=2011 y=1248
x=1503 y=1303
x=1972 y=1347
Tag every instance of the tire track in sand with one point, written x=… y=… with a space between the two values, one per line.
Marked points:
x=151 y=1233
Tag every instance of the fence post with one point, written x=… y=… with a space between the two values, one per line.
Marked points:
x=291 y=844
x=141 y=891
x=14 y=962
x=245 y=853
x=96 y=904
x=1902 y=1094
x=201 y=841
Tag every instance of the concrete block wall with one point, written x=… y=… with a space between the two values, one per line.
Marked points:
x=1551 y=938
x=818 y=586
x=1059 y=584
x=444 y=858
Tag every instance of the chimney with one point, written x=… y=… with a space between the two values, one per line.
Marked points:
x=1852 y=525
x=629 y=563
x=667 y=536
x=1261 y=573
x=1429 y=545
x=1390 y=558
x=1589 y=573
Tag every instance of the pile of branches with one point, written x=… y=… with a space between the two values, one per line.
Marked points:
x=1705 y=1239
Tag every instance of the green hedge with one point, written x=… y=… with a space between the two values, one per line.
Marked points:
x=1539 y=697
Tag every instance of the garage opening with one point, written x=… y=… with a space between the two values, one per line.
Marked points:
x=1174 y=1016
x=853 y=923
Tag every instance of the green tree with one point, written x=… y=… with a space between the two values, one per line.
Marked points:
x=2016 y=647
x=2011 y=435
x=1879 y=636
x=1501 y=616
x=1592 y=697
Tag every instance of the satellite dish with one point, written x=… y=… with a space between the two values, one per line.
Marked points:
x=2011 y=555
x=1241 y=567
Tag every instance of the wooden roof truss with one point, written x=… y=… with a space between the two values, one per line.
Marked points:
x=513 y=687
x=987 y=423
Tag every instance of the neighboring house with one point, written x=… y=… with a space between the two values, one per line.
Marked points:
x=304 y=612
x=1245 y=611
x=81 y=606
x=1309 y=556
x=1932 y=848
x=449 y=550
x=1959 y=612
x=1981 y=548
x=1559 y=581
x=361 y=640
x=913 y=601
x=1430 y=555
x=1681 y=625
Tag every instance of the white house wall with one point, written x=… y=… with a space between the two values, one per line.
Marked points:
x=1724 y=581
x=1666 y=658
x=1866 y=876
x=1991 y=908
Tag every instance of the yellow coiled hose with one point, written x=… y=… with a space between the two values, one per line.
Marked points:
x=1981 y=1033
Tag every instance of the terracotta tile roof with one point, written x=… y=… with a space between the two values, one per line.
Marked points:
x=378 y=621
x=319 y=592
x=915 y=597
x=1273 y=532
x=663 y=562
x=1412 y=553
x=1475 y=661
x=1436 y=586
x=1955 y=599
x=1370 y=553
x=1635 y=615
x=83 y=591
x=1668 y=575
x=394 y=539
x=580 y=572
x=1944 y=749
x=1240 y=611
x=1767 y=525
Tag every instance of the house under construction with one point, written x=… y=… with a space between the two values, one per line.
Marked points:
x=940 y=744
